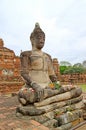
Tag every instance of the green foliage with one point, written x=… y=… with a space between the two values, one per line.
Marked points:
x=57 y=86
x=62 y=69
x=72 y=69
x=67 y=68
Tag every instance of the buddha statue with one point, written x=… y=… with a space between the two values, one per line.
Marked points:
x=42 y=98
x=36 y=69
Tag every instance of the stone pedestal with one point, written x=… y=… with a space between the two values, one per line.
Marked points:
x=62 y=111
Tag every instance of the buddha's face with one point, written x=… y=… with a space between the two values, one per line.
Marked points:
x=39 y=41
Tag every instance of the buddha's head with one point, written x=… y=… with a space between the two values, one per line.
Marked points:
x=37 y=37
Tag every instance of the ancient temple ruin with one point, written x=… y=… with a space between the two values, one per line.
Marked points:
x=61 y=109
x=10 y=79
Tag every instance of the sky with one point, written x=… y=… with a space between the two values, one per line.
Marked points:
x=63 y=21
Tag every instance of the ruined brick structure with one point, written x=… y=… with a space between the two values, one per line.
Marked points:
x=68 y=78
x=56 y=68
x=73 y=78
x=10 y=79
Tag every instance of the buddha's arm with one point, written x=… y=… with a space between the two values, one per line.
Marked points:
x=51 y=71
x=25 y=67
x=25 y=61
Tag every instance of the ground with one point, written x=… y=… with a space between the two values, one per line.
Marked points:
x=9 y=120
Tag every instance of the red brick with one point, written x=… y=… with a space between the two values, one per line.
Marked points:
x=9 y=61
x=2 y=116
x=35 y=123
x=7 y=113
x=30 y=127
x=41 y=127
x=11 y=124
x=12 y=108
x=1 y=128
x=35 y=129
x=1 y=101
x=2 y=108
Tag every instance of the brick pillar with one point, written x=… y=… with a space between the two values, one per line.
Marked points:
x=56 y=68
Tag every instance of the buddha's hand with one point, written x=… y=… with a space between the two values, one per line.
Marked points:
x=39 y=91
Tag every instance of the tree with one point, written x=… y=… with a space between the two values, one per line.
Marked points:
x=65 y=63
x=62 y=69
x=78 y=65
x=84 y=63
x=67 y=68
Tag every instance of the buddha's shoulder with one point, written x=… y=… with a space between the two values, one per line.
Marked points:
x=26 y=53
x=46 y=54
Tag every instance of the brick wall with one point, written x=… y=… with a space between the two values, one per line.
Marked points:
x=10 y=78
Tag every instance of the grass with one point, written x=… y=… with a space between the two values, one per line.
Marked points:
x=83 y=86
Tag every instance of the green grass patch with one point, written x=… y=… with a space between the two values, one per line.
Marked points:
x=83 y=86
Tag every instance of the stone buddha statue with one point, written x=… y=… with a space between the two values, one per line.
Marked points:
x=36 y=69
x=42 y=98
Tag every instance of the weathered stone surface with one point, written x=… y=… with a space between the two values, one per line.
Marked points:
x=67 y=126
x=64 y=109
x=69 y=117
x=84 y=115
x=40 y=118
x=36 y=113
x=62 y=89
x=50 y=123
x=61 y=97
x=30 y=110
x=58 y=105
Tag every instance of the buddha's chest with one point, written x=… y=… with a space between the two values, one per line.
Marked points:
x=38 y=62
